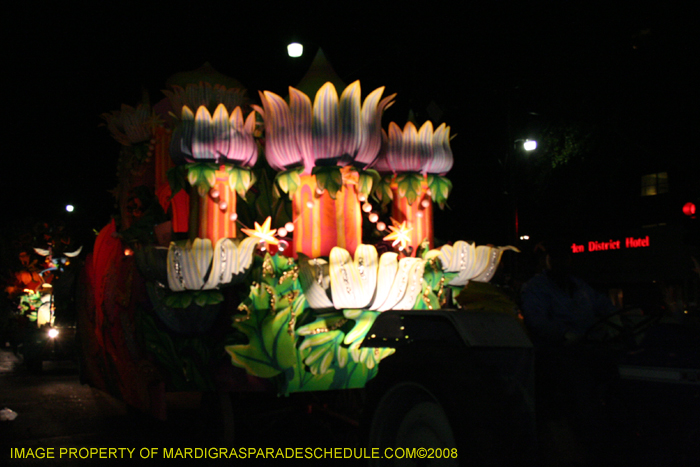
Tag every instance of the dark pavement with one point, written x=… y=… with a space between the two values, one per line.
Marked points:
x=655 y=425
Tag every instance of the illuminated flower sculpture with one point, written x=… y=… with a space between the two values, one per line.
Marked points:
x=130 y=125
x=415 y=160
x=219 y=150
x=323 y=152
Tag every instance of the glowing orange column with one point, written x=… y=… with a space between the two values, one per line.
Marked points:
x=315 y=229
x=215 y=210
x=418 y=216
x=348 y=214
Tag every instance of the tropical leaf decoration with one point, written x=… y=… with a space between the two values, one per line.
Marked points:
x=409 y=185
x=240 y=179
x=382 y=190
x=271 y=310
x=177 y=179
x=302 y=350
x=368 y=179
x=270 y=348
x=440 y=188
x=202 y=176
x=290 y=180
x=329 y=178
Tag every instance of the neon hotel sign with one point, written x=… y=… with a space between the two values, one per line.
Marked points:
x=629 y=242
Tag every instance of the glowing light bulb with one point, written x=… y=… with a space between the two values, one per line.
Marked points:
x=289 y=226
x=310 y=204
x=233 y=217
x=529 y=145
x=214 y=193
x=419 y=214
x=319 y=191
x=381 y=226
x=69 y=208
x=282 y=232
x=362 y=198
x=295 y=49
x=367 y=207
x=425 y=203
x=223 y=205
x=373 y=217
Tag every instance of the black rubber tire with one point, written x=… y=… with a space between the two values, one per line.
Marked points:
x=410 y=416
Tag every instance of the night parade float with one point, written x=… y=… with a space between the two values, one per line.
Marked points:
x=287 y=247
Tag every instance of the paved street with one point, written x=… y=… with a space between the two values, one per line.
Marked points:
x=55 y=410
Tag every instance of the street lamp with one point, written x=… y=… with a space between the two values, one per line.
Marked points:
x=527 y=144
x=295 y=49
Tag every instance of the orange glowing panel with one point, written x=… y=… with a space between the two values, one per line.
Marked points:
x=418 y=216
x=161 y=154
x=348 y=215
x=215 y=211
x=181 y=211
x=315 y=228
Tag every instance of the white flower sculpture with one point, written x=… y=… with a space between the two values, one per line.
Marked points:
x=197 y=266
x=471 y=262
x=387 y=283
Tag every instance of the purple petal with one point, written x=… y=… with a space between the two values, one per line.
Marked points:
x=424 y=145
x=281 y=148
x=325 y=128
x=350 y=120
x=300 y=106
x=222 y=132
x=442 y=160
x=203 y=138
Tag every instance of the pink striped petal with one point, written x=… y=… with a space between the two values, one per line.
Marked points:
x=302 y=116
x=442 y=160
x=281 y=148
x=410 y=157
x=424 y=145
x=182 y=145
x=350 y=122
x=325 y=127
x=222 y=135
x=203 y=136
x=250 y=123
x=242 y=147
x=372 y=111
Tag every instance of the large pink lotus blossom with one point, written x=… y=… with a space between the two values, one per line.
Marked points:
x=219 y=138
x=416 y=150
x=332 y=131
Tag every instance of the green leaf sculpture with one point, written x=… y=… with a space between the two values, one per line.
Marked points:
x=409 y=185
x=329 y=178
x=440 y=188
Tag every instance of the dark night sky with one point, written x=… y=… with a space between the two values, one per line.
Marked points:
x=626 y=63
